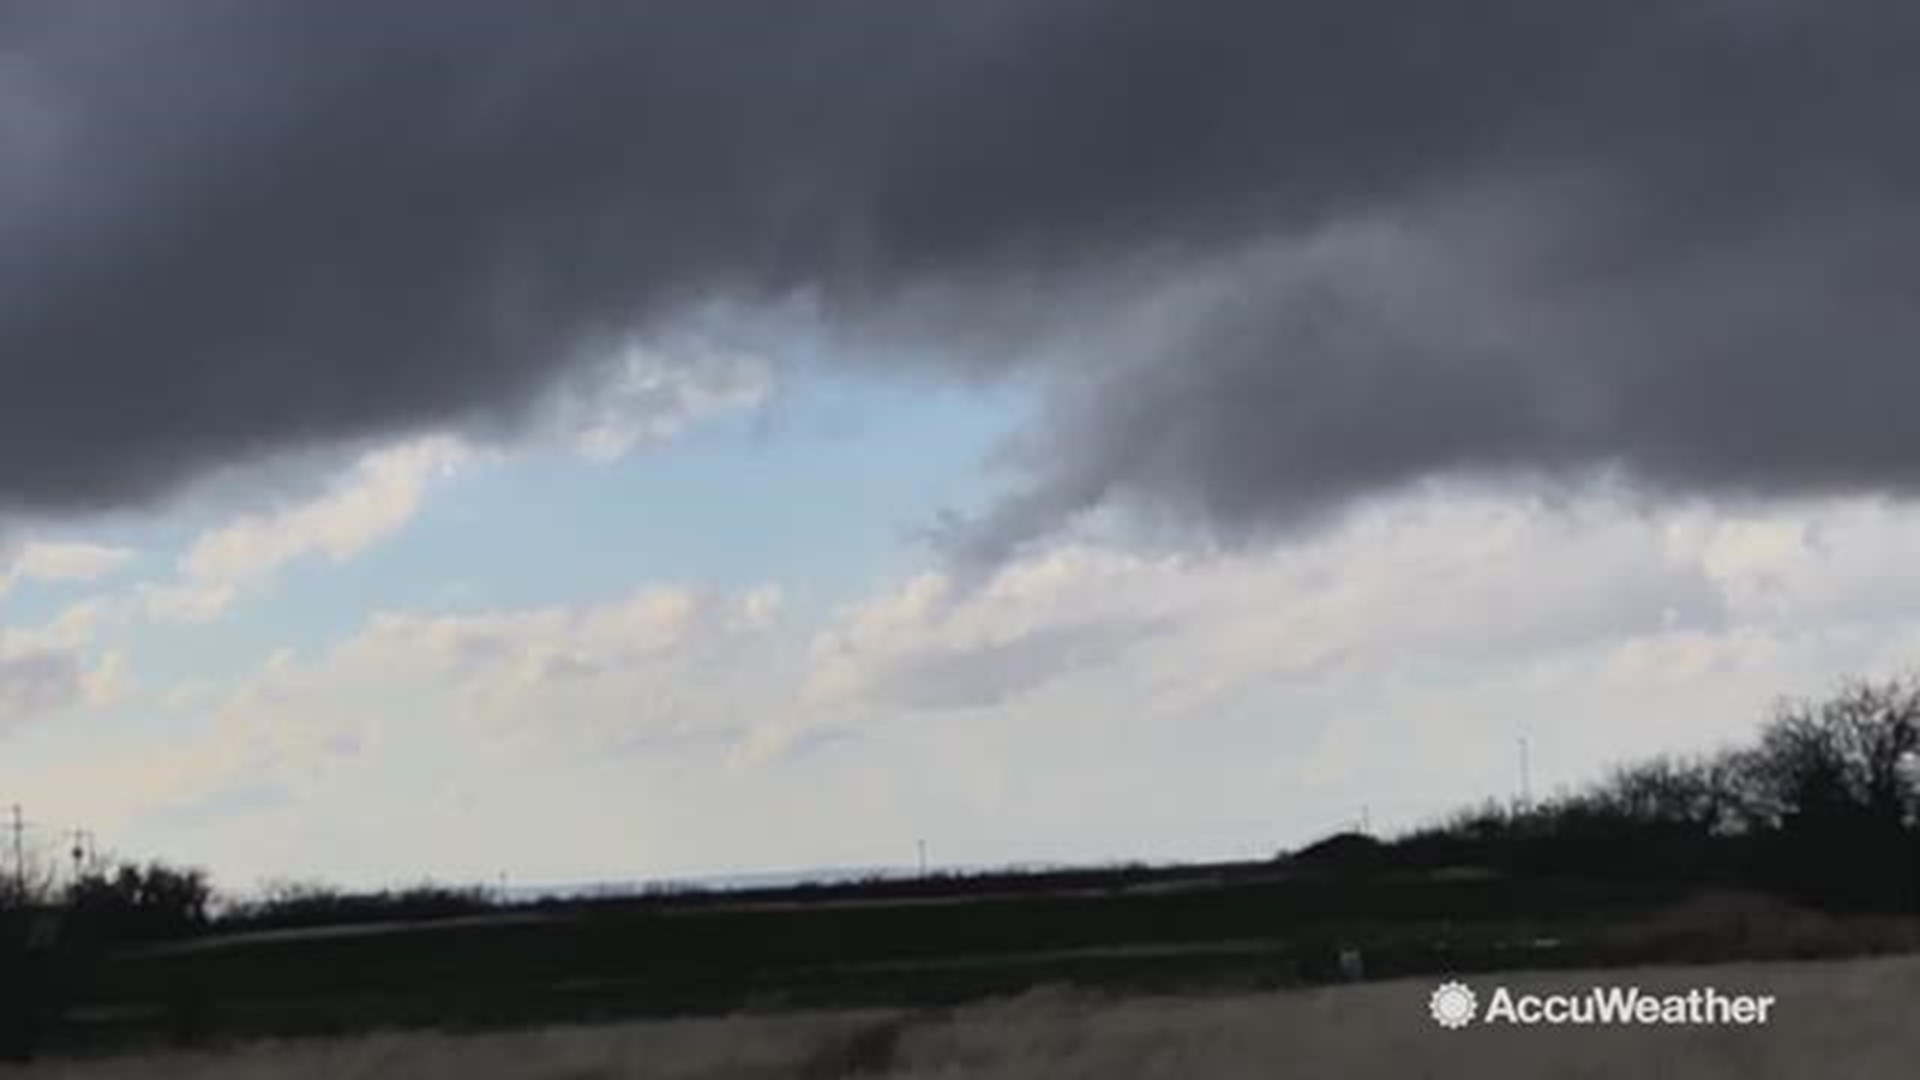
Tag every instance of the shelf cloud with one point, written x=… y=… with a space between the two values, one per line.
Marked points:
x=1266 y=258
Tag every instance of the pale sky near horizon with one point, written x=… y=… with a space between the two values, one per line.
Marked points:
x=461 y=440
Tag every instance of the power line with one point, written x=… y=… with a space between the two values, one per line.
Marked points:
x=45 y=846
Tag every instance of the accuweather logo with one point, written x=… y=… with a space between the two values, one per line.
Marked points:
x=1454 y=1005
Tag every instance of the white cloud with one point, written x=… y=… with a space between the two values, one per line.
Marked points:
x=643 y=397
x=108 y=682
x=1426 y=579
x=1086 y=700
x=760 y=607
x=410 y=704
x=184 y=602
x=533 y=646
x=45 y=670
x=1394 y=658
x=928 y=643
x=64 y=561
x=638 y=398
x=650 y=665
x=73 y=627
x=375 y=498
x=660 y=666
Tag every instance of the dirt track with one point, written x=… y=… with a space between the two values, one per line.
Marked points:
x=1833 y=1020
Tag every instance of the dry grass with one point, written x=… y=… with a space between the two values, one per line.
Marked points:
x=1834 y=1020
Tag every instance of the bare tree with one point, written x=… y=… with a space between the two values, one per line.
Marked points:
x=1848 y=758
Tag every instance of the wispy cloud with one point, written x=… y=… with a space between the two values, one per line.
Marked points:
x=376 y=497
x=60 y=561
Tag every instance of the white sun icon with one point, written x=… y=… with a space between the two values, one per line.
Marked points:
x=1452 y=1005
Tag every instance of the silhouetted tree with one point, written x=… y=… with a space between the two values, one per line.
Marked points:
x=1835 y=782
x=131 y=902
x=1826 y=805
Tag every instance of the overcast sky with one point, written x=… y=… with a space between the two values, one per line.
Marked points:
x=611 y=440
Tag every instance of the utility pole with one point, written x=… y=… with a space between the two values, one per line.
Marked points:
x=922 y=846
x=82 y=852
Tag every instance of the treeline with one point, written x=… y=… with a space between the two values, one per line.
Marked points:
x=54 y=937
x=290 y=906
x=125 y=901
x=131 y=902
x=1823 y=807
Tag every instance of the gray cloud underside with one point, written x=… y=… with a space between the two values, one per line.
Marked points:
x=36 y=683
x=985 y=675
x=1267 y=256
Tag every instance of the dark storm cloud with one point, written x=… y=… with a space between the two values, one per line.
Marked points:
x=1289 y=252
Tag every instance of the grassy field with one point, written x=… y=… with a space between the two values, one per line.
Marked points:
x=1835 y=1019
x=710 y=956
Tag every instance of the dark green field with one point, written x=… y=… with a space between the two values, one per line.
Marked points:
x=919 y=943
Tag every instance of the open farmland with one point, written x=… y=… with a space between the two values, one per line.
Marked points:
x=1833 y=1019
x=1212 y=931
